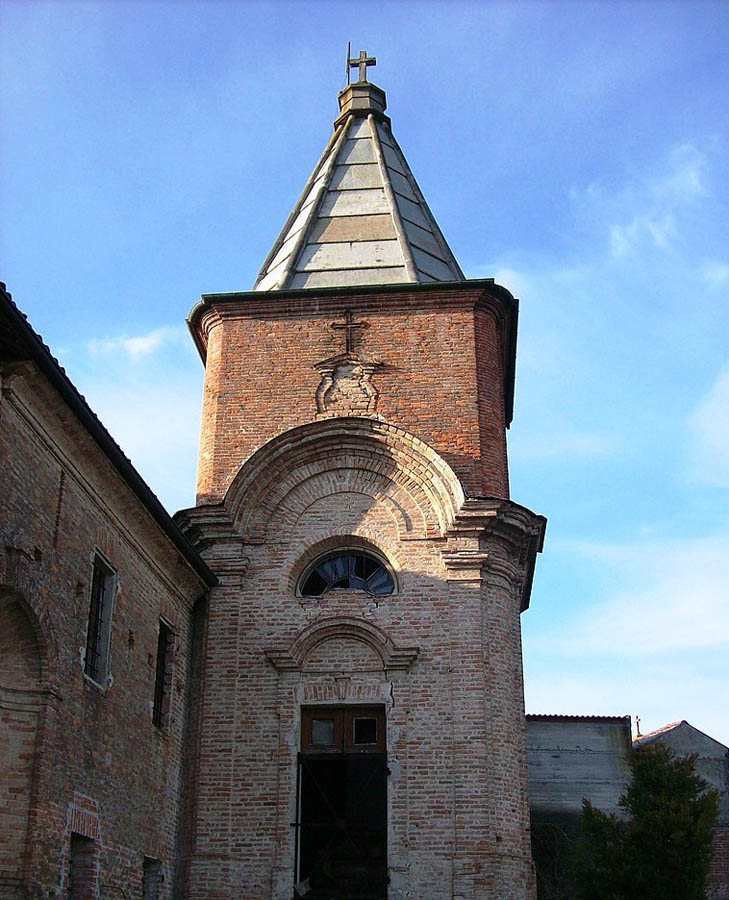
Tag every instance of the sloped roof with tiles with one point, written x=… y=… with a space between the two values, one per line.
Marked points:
x=361 y=219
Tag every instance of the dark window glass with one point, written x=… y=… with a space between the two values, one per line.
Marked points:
x=162 y=674
x=152 y=879
x=365 y=731
x=82 y=868
x=97 y=634
x=353 y=571
x=322 y=732
x=344 y=729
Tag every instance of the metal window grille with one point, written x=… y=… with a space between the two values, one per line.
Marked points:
x=341 y=847
x=162 y=674
x=94 y=664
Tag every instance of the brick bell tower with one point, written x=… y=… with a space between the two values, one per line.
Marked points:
x=358 y=730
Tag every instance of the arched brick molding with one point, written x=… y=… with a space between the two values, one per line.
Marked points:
x=406 y=513
x=342 y=628
x=21 y=699
x=355 y=454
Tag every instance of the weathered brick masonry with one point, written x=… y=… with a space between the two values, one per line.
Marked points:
x=445 y=364
x=310 y=684
x=84 y=770
x=280 y=485
x=354 y=416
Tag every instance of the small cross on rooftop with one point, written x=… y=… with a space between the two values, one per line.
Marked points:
x=361 y=62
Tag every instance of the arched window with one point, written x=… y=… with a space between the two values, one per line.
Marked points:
x=351 y=569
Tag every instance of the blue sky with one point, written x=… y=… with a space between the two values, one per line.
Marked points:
x=151 y=151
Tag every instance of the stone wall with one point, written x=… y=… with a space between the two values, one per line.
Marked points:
x=573 y=757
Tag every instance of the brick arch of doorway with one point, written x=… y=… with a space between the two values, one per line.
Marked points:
x=420 y=489
x=20 y=606
x=24 y=672
x=293 y=656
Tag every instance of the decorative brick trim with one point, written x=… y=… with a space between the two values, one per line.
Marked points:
x=292 y=658
x=211 y=532
x=421 y=477
x=497 y=538
x=84 y=817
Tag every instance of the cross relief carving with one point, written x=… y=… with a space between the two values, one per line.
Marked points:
x=349 y=326
x=346 y=388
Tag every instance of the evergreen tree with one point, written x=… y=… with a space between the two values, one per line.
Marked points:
x=661 y=848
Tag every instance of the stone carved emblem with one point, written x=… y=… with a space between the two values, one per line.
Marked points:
x=346 y=388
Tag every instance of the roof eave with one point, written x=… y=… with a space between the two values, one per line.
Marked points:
x=42 y=357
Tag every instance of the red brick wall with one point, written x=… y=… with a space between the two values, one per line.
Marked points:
x=455 y=728
x=20 y=661
x=718 y=888
x=92 y=742
x=441 y=376
x=458 y=818
x=20 y=681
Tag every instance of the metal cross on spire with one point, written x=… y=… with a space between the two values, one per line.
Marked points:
x=360 y=62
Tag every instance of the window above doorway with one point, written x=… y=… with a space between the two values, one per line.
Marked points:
x=342 y=729
x=347 y=570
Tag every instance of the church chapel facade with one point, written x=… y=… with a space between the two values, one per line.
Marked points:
x=309 y=685
x=359 y=728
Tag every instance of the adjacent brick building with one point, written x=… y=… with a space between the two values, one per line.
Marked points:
x=99 y=593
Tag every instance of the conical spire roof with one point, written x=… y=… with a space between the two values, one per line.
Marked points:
x=361 y=218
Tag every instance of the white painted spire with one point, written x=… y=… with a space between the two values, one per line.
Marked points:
x=361 y=218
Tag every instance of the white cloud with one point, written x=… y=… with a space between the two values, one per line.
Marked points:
x=517 y=282
x=147 y=390
x=136 y=347
x=648 y=211
x=709 y=433
x=684 y=179
x=656 y=644
x=673 y=596
x=627 y=238
x=158 y=426
x=715 y=274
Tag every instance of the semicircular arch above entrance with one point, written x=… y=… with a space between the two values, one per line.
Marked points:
x=295 y=470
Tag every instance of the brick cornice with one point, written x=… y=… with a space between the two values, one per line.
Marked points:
x=494 y=537
x=210 y=531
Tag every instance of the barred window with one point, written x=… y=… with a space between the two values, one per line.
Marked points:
x=163 y=675
x=98 y=634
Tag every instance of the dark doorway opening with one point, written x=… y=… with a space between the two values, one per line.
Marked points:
x=342 y=846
